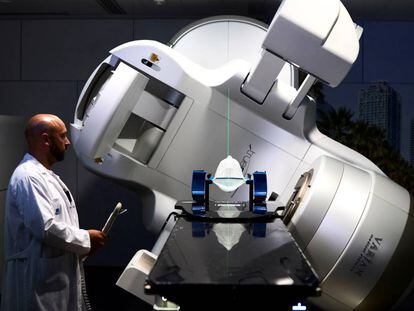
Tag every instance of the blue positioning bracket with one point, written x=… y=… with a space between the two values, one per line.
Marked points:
x=259 y=186
x=198 y=185
x=200 y=190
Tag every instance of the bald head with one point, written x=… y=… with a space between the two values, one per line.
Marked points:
x=39 y=124
x=46 y=138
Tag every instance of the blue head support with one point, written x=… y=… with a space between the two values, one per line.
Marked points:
x=200 y=191
x=259 y=186
x=258 y=193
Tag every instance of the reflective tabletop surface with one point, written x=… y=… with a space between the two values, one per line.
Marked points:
x=231 y=260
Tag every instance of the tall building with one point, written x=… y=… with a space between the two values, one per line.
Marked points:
x=380 y=105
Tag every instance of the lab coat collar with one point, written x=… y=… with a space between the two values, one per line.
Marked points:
x=39 y=166
x=43 y=170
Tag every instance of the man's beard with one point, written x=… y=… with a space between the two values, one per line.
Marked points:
x=59 y=155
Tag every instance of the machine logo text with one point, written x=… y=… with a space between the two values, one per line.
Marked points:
x=367 y=255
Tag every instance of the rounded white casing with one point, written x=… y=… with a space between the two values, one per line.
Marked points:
x=354 y=226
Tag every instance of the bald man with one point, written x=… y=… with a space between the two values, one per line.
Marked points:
x=43 y=242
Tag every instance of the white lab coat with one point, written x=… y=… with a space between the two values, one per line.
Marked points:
x=43 y=242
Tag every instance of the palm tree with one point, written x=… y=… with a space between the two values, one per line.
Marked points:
x=368 y=140
x=336 y=124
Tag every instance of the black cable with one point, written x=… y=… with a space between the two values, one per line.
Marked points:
x=86 y=301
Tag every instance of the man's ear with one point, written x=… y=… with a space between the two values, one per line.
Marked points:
x=45 y=139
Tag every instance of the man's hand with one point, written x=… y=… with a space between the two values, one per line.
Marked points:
x=98 y=240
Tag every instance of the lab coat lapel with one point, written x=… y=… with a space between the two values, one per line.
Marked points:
x=70 y=209
x=59 y=188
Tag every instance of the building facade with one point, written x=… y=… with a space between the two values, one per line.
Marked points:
x=380 y=105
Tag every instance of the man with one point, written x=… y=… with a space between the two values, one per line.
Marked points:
x=43 y=243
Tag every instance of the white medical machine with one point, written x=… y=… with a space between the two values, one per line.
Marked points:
x=150 y=114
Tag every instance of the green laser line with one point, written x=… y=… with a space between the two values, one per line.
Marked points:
x=228 y=94
x=228 y=121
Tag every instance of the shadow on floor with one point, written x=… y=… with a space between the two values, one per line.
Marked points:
x=105 y=295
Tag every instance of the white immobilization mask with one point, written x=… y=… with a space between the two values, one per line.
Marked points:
x=229 y=175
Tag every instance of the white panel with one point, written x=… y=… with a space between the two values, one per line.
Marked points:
x=207 y=45
x=245 y=41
